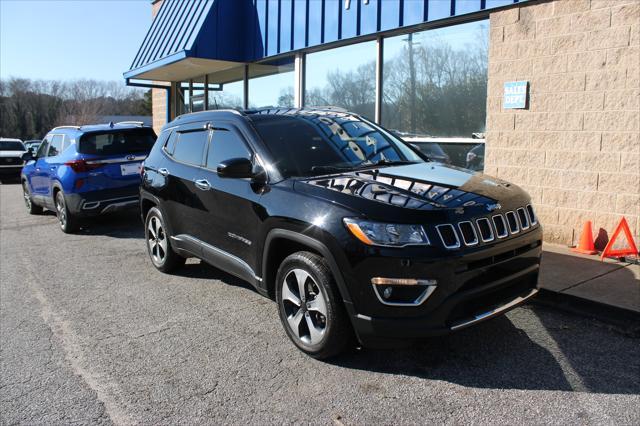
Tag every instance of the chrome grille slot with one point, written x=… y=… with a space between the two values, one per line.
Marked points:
x=524 y=219
x=448 y=236
x=468 y=232
x=486 y=232
x=513 y=223
x=532 y=215
x=500 y=225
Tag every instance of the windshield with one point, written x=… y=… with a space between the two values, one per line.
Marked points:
x=11 y=146
x=316 y=143
x=117 y=142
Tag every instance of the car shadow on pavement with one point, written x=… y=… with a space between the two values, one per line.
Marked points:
x=557 y=354
x=125 y=224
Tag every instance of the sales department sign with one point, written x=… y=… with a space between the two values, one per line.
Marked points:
x=515 y=94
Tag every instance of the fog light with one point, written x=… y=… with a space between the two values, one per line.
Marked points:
x=387 y=292
x=402 y=281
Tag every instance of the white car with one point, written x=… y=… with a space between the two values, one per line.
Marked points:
x=11 y=162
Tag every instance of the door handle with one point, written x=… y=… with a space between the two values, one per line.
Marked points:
x=163 y=171
x=203 y=184
x=53 y=167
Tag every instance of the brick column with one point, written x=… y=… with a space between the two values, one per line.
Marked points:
x=158 y=96
x=576 y=149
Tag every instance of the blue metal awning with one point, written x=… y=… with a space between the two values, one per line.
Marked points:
x=189 y=38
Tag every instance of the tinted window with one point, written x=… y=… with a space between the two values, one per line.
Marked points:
x=42 y=150
x=56 y=145
x=224 y=146
x=313 y=144
x=117 y=142
x=11 y=146
x=171 y=143
x=190 y=147
x=430 y=148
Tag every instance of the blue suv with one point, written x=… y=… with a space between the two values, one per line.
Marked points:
x=86 y=171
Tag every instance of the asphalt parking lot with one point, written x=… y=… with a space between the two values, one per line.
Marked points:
x=92 y=333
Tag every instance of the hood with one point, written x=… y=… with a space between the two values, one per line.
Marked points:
x=12 y=153
x=417 y=188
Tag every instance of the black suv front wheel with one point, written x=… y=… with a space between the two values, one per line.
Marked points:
x=158 y=246
x=310 y=308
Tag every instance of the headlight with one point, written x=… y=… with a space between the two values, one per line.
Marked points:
x=386 y=234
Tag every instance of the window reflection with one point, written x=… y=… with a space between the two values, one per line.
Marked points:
x=271 y=84
x=435 y=82
x=343 y=77
x=226 y=89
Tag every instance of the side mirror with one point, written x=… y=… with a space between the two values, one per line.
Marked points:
x=27 y=156
x=239 y=168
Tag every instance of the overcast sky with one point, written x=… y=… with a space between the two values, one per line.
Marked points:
x=56 y=39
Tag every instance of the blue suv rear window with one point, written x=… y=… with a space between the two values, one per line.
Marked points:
x=117 y=142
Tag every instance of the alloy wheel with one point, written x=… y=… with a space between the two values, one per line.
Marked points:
x=25 y=194
x=157 y=240
x=305 y=306
x=61 y=209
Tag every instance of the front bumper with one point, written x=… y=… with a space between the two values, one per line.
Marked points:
x=10 y=170
x=472 y=287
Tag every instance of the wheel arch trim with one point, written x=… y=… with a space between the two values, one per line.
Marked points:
x=312 y=243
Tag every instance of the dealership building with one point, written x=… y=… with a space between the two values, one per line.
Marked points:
x=552 y=84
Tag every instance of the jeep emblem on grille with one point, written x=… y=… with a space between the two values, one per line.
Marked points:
x=492 y=207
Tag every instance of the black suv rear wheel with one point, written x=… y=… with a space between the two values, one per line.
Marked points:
x=310 y=307
x=158 y=246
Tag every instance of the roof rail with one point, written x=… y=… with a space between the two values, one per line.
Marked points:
x=139 y=123
x=67 y=127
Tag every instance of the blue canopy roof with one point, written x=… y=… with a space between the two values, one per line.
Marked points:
x=190 y=38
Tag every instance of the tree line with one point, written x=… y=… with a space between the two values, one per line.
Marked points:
x=30 y=108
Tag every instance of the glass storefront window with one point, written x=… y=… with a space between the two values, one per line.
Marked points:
x=435 y=82
x=271 y=84
x=226 y=89
x=197 y=95
x=343 y=77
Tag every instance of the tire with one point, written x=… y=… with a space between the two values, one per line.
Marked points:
x=68 y=222
x=158 y=246
x=31 y=207
x=318 y=324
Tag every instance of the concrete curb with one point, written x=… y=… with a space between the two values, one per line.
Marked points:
x=626 y=320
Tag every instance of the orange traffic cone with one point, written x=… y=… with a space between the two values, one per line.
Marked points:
x=586 y=241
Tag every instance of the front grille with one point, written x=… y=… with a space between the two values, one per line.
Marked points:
x=468 y=232
x=486 y=233
x=448 y=236
x=500 y=225
x=532 y=215
x=524 y=219
x=513 y=223
x=486 y=229
x=11 y=161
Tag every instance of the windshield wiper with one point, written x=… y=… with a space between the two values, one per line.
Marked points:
x=330 y=169
x=385 y=162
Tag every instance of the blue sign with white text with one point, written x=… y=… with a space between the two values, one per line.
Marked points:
x=515 y=94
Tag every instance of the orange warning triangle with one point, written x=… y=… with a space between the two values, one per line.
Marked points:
x=631 y=250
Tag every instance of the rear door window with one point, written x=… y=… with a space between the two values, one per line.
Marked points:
x=118 y=142
x=225 y=145
x=56 y=145
x=190 y=146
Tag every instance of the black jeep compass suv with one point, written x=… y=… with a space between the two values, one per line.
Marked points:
x=351 y=230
